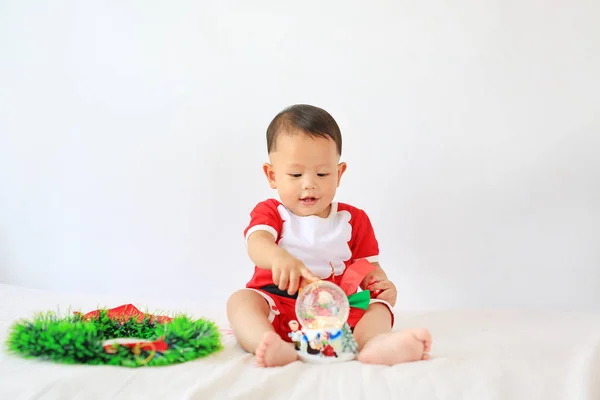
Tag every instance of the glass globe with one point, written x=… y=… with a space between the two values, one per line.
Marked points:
x=322 y=305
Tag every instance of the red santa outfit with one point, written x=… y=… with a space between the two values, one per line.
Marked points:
x=326 y=246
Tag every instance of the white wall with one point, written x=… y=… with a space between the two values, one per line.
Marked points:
x=132 y=136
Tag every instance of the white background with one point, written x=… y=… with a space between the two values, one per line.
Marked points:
x=132 y=138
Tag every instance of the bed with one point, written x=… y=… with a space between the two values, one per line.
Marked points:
x=481 y=354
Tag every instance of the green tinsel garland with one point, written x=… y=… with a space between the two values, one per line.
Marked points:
x=75 y=340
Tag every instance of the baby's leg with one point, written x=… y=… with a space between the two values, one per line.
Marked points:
x=248 y=315
x=378 y=345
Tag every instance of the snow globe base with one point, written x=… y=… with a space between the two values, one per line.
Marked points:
x=325 y=346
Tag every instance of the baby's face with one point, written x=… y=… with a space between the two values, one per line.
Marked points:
x=306 y=173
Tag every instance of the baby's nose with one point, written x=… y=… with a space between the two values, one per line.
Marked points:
x=308 y=183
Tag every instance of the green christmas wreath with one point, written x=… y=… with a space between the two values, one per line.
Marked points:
x=121 y=336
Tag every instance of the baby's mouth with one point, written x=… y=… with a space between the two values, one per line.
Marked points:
x=308 y=200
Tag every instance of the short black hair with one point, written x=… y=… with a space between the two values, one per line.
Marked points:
x=311 y=120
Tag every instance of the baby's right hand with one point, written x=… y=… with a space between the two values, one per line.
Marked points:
x=287 y=271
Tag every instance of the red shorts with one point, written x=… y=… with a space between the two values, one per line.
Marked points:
x=282 y=310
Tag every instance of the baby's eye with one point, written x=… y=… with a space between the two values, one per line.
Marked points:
x=295 y=175
x=322 y=175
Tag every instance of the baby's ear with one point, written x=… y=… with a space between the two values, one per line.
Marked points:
x=270 y=174
x=340 y=171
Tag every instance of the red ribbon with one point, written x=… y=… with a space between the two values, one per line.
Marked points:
x=354 y=275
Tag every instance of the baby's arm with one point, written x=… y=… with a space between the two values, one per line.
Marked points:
x=287 y=270
x=262 y=249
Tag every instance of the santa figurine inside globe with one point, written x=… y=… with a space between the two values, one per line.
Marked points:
x=322 y=309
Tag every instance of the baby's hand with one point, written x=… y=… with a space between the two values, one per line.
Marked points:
x=287 y=271
x=384 y=290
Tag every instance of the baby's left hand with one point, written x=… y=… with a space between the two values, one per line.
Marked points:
x=384 y=290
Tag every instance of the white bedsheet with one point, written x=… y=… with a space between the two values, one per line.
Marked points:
x=476 y=355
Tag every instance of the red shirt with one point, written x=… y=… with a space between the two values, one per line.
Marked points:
x=336 y=241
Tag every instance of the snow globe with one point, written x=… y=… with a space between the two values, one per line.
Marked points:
x=322 y=309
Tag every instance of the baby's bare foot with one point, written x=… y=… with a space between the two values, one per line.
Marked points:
x=274 y=352
x=397 y=347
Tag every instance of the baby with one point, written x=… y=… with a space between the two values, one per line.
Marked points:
x=305 y=237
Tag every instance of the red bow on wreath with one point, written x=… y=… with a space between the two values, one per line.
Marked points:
x=126 y=312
